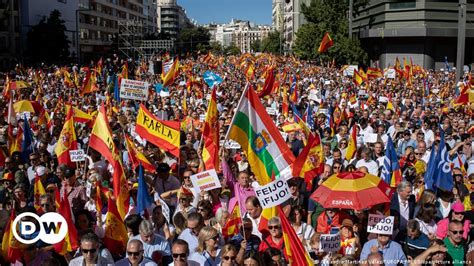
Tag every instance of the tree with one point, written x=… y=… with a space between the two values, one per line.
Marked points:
x=272 y=43
x=193 y=40
x=215 y=48
x=232 y=50
x=47 y=41
x=256 y=46
x=329 y=16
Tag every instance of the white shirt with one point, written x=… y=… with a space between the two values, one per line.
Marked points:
x=444 y=211
x=429 y=137
x=404 y=213
x=188 y=236
x=144 y=262
x=255 y=223
x=371 y=166
x=426 y=157
x=429 y=228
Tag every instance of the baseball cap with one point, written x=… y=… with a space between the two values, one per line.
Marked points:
x=347 y=223
x=457 y=207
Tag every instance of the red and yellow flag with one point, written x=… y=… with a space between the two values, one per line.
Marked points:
x=294 y=250
x=102 y=141
x=352 y=144
x=79 y=115
x=11 y=248
x=210 y=135
x=70 y=242
x=169 y=75
x=310 y=161
x=115 y=238
x=326 y=43
x=125 y=71
x=136 y=157
x=90 y=83
x=357 y=78
x=14 y=142
x=267 y=214
x=250 y=71
x=38 y=191
x=269 y=82
x=163 y=134
x=67 y=141
x=231 y=228
x=374 y=73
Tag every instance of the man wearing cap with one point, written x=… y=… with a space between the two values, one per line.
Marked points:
x=350 y=244
x=392 y=251
x=165 y=182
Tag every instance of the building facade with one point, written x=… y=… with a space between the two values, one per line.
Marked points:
x=424 y=30
x=9 y=32
x=171 y=17
x=293 y=20
x=278 y=9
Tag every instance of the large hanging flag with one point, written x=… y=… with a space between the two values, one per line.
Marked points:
x=326 y=43
x=163 y=134
x=211 y=79
x=11 y=248
x=144 y=199
x=259 y=138
x=269 y=82
x=352 y=144
x=443 y=174
x=70 y=242
x=231 y=228
x=27 y=146
x=294 y=249
x=210 y=135
x=170 y=72
x=67 y=141
x=310 y=162
x=391 y=172
x=137 y=158
x=115 y=238
x=101 y=140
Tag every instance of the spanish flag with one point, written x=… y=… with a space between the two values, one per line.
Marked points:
x=11 y=248
x=357 y=78
x=115 y=238
x=70 y=242
x=269 y=82
x=374 y=73
x=326 y=43
x=170 y=74
x=67 y=141
x=163 y=134
x=231 y=228
x=310 y=162
x=125 y=71
x=136 y=157
x=90 y=83
x=38 y=191
x=79 y=115
x=352 y=145
x=210 y=135
x=101 y=140
x=14 y=142
x=250 y=71
x=294 y=250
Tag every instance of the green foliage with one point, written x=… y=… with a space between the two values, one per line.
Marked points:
x=272 y=43
x=329 y=16
x=47 y=41
x=232 y=50
x=216 y=48
x=193 y=40
x=256 y=46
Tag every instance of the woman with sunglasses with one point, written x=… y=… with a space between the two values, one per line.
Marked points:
x=229 y=255
x=204 y=207
x=275 y=239
x=457 y=213
x=208 y=252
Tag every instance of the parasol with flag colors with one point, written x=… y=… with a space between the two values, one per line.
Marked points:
x=352 y=190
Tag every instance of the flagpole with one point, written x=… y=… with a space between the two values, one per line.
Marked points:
x=238 y=105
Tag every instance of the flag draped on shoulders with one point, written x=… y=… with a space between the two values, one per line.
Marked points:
x=102 y=141
x=163 y=134
x=210 y=135
x=259 y=138
x=67 y=141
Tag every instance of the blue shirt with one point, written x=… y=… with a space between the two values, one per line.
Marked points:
x=205 y=259
x=392 y=252
x=159 y=244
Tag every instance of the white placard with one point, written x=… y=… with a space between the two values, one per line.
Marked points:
x=133 y=89
x=330 y=243
x=206 y=180
x=165 y=209
x=164 y=93
x=390 y=73
x=349 y=71
x=273 y=194
x=314 y=95
x=370 y=138
x=379 y=224
x=271 y=111
x=232 y=145
x=77 y=155
x=202 y=118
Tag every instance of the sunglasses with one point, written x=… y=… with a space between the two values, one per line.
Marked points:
x=271 y=227
x=136 y=254
x=45 y=205
x=229 y=257
x=90 y=251
x=186 y=176
x=179 y=255
x=459 y=213
x=418 y=153
x=460 y=232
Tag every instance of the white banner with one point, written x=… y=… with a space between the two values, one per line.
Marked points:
x=133 y=89
x=271 y=111
x=77 y=155
x=206 y=180
x=330 y=243
x=390 y=73
x=379 y=224
x=273 y=194
x=349 y=71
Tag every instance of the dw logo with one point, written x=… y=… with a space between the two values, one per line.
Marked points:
x=52 y=228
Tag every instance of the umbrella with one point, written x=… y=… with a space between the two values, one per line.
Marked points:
x=352 y=190
x=28 y=106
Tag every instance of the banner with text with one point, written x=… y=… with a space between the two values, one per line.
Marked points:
x=206 y=180
x=379 y=224
x=77 y=155
x=133 y=89
x=273 y=194
x=330 y=243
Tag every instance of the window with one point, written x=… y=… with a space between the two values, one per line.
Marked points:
x=62 y=1
x=402 y=5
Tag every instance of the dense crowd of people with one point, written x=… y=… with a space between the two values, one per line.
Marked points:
x=432 y=226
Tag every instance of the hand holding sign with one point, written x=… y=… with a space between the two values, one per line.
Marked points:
x=379 y=224
x=273 y=194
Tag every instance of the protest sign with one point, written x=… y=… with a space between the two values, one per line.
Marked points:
x=349 y=71
x=206 y=180
x=330 y=243
x=77 y=155
x=379 y=224
x=133 y=89
x=271 y=111
x=390 y=73
x=273 y=194
x=165 y=209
